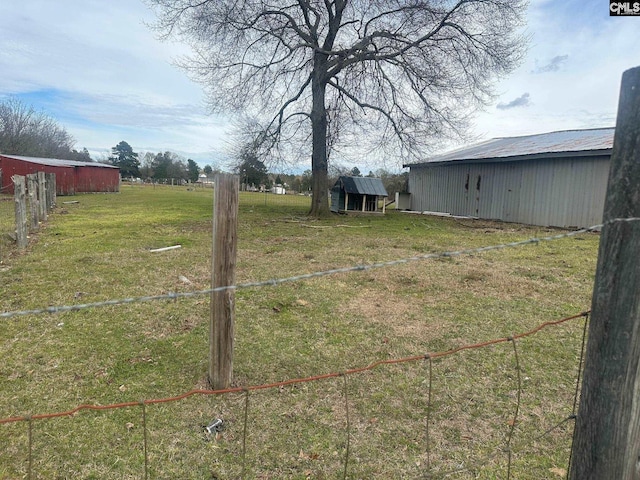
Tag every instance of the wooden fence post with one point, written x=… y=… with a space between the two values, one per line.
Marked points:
x=225 y=220
x=51 y=189
x=19 y=195
x=54 y=189
x=34 y=209
x=42 y=197
x=607 y=432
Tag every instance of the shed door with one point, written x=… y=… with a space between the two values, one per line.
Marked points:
x=337 y=200
x=511 y=202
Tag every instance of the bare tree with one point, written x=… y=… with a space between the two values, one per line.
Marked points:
x=26 y=131
x=335 y=75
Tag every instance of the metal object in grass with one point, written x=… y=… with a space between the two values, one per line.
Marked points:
x=216 y=426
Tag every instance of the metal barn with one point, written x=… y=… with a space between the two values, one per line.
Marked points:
x=553 y=179
x=71 y=176
x=357 y=194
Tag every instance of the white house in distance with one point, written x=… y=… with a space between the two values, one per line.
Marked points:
x=552 y=179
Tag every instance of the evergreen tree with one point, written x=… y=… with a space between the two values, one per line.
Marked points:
x=123 y=156
x=192 y=170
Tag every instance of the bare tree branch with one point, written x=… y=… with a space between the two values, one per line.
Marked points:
x=347 y=73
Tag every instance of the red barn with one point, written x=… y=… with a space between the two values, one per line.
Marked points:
x=71 y=176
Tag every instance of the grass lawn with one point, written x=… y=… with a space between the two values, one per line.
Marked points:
x=98 y=249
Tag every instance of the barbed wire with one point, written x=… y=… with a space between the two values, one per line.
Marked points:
x=308 y=276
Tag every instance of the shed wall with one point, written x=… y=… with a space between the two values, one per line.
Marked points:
x=567 y=192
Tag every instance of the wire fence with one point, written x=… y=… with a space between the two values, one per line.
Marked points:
x=429 y=358
x=248 y=198
x=275 y=200
x=278 y=201
x=278 y=281
x=266 y=198
x=282 y=198
x=345 y=392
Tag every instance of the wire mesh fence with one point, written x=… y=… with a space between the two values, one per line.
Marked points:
x=330 y=428
x=276 y=200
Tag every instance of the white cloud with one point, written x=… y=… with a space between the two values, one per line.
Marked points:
x=573 y=69
x=553 y=65
x=521 y=101
x=100 y=71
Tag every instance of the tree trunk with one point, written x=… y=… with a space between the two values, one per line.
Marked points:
x=319 y=164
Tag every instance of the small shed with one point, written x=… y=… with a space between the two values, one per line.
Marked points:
x=358 y=194
x=71 y=176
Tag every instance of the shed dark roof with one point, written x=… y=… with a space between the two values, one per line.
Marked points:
x=569 y=143
x=362 y=185
x=57 y=162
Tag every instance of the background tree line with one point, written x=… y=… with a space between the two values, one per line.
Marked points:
x=254 y=174
x=31 y=133
x=301 y=183
x=161 y=166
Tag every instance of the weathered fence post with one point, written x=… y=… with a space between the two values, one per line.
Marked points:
x=34 y=209
x=19 y=195
x=225 y=220
x=42 y=197
x=51 y=190
x=607 y=433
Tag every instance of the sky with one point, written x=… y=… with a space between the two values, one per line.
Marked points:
x=97 y=68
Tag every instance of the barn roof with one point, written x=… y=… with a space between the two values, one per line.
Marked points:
x=57 y=162
x=362 y=185
x=568 y=143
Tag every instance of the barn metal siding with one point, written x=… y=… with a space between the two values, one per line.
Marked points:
x=95 y=178
x=561 y=192
x=71 y=176
x=65 y=178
